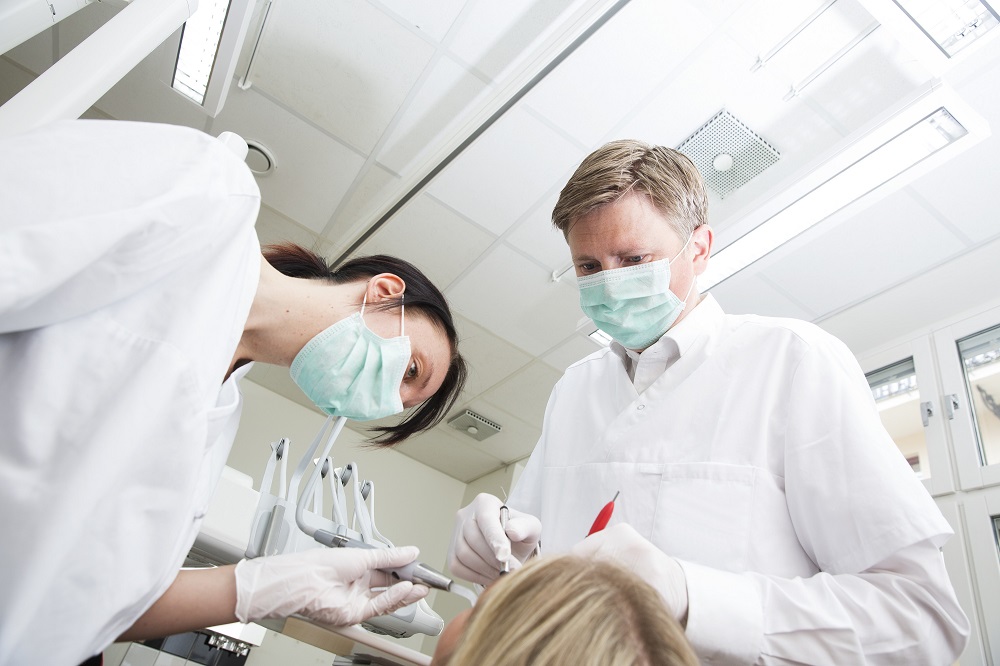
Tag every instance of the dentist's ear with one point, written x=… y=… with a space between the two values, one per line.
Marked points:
x=385 y=285
x=701 y=241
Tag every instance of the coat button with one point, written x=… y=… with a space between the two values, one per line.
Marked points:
x=641 y=407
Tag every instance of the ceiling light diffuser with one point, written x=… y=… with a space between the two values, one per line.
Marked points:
x=926 y=133
x=210 y=46
x=600 y=337
x=951 y=24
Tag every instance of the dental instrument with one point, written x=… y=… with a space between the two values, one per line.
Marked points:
x=416 y=572
x=604 y=516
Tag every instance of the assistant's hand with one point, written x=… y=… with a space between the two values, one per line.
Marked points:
x=623 y=545
x=331 y=585
x=479 y=544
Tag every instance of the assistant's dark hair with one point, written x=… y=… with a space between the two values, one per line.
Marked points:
x=421 y=296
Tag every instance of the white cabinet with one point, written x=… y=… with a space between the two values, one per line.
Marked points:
x=938 y=395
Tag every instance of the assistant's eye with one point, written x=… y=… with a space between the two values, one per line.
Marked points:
x=412 y=371
x=588 y=267
x=635 y=259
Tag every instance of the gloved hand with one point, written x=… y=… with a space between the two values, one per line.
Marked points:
x=331 y=585
x=479 y=544
x=623 y=545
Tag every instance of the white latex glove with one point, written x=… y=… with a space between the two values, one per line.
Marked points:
x=479 y=544
x=331 y=585
x=623 y=545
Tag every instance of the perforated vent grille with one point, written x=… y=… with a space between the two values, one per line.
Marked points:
x=724 y=134
x=474 y=425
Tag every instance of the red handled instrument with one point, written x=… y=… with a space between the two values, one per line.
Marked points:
x=604 y=516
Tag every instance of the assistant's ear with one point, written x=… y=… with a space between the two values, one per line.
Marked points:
x=701 y=242
x=385 y=285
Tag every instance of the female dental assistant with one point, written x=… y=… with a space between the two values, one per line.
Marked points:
x=133 y=297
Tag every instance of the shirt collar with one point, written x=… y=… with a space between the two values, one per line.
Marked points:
x=701 y=320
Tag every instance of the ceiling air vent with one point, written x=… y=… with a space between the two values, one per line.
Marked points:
x=727 y=153
x=475 y=426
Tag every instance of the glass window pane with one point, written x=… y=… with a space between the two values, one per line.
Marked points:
x=898 y=400
x=980 y=354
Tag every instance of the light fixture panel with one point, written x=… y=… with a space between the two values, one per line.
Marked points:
x=952 y=25
x=210 y=45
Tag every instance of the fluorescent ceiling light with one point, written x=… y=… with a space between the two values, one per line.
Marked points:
x=951 y=24
x=600 y=337
x=210 y=46
x=929 y=127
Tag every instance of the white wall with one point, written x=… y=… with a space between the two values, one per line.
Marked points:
x=415 y=504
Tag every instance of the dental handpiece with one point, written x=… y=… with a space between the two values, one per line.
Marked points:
x=416 y=572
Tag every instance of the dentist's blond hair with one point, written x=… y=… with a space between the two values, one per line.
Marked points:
x=569 y=610
x=667 y=177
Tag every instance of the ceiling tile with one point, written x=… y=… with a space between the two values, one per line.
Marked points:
x=525 y=393
x=513 y=298
x=494 y=37
x=514 y=442
x=345 y=65
x=359 y=209
x=273 y=227
x=748 y=293
x=618 y=67
x=866 y=82
x=432 y=18
x=576 y=348
x=313 y=171
x=38 y=52
x=13 y=79
x=519 y=151
x=955 y=192
x=435 y=239
x=491 y=359
x=819 y=41
x=760 y=25
x=536 y=237
x=888 y=242
x=897 y=313
x=438 y=109
x=448 y=453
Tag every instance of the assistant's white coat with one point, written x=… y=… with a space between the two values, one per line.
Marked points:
x=128 y=264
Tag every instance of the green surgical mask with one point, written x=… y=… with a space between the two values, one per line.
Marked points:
x=347 y=370
x=634 y=305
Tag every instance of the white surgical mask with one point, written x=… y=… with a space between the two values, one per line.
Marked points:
x=634 y=304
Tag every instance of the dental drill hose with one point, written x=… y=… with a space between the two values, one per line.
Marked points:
x=416 y=572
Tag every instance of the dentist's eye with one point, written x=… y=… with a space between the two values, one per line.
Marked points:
x=635 y=259
x=412 y=371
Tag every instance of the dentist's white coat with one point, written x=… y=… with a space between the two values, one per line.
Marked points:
x=750 y=449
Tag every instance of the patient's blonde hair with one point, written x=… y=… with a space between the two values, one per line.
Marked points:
x=569 y=610
x=667 y=177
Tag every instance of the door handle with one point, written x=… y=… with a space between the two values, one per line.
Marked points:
x=926 y=412
x=950 y=406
